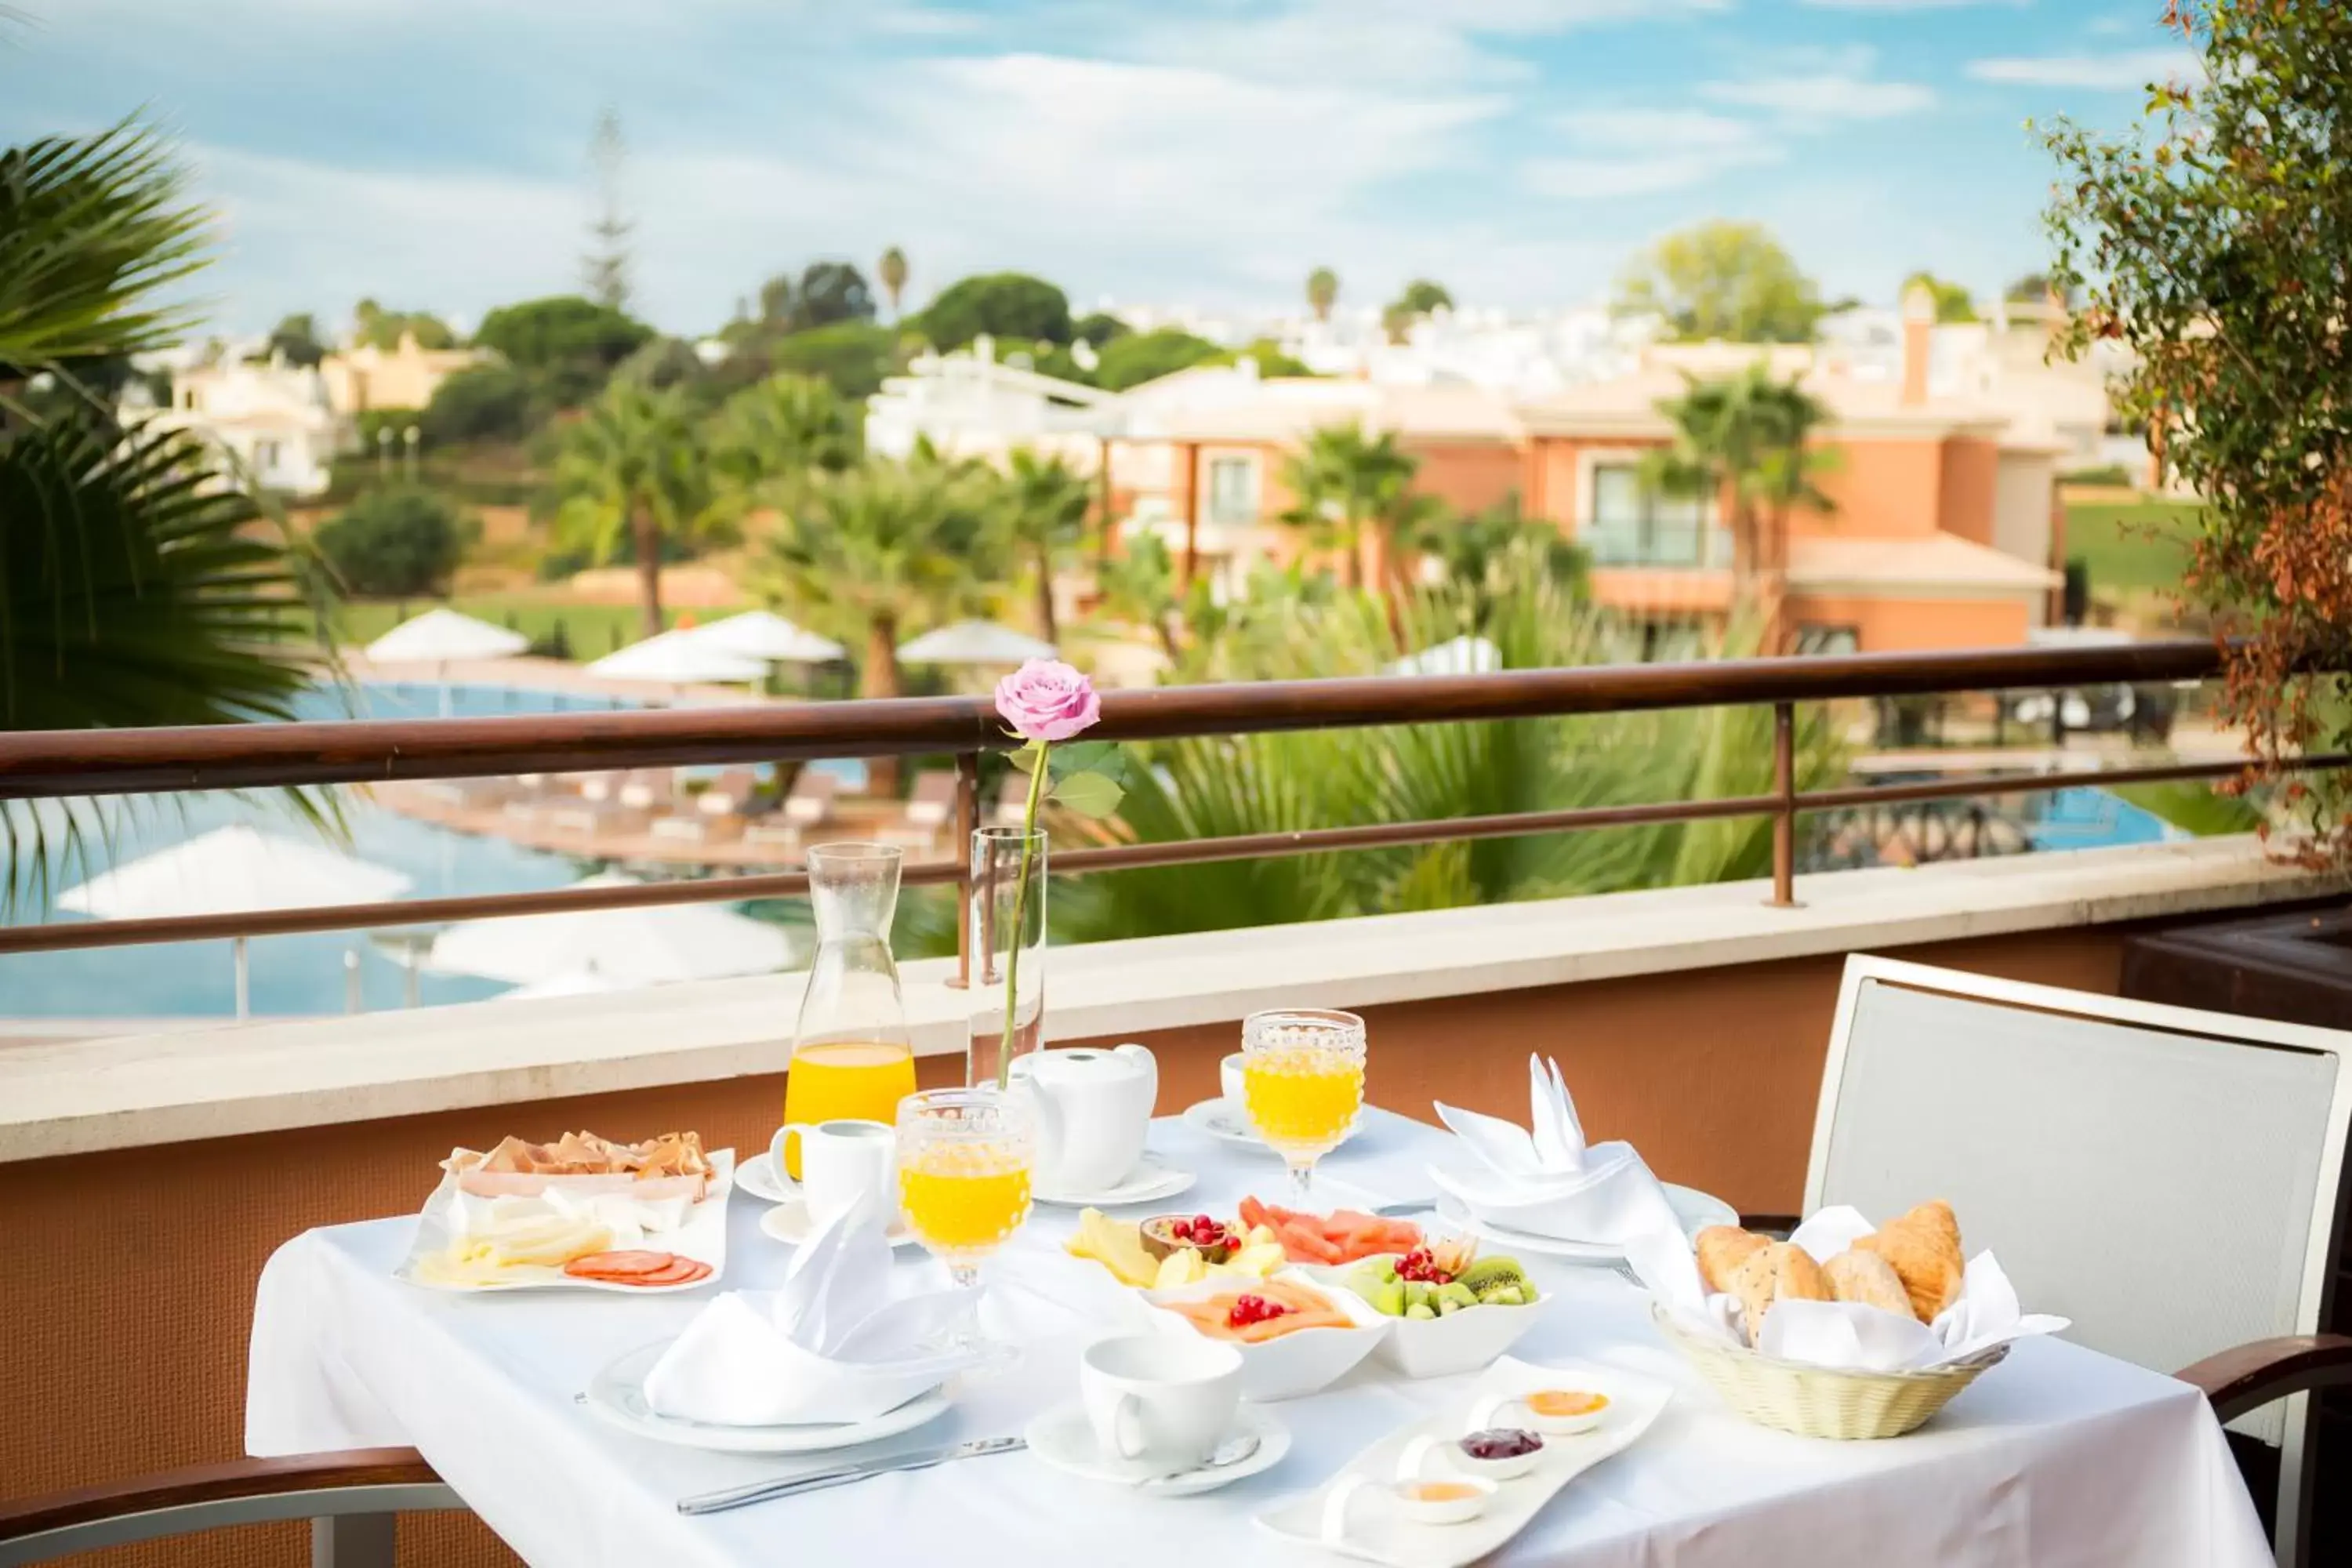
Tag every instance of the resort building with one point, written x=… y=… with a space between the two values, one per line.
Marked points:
x=273 y=420
x=367 y=377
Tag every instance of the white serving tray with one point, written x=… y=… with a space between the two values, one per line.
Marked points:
x=702 y=1237
x=1375 y=1535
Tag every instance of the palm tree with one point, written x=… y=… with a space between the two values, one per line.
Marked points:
x=1322 y=292
x=1744 y=438
x=1043 y=507
x=1138 y=588
x=629 y=471
x=1485 y=553
x=892 y=271
x=1284 y=782
x=865 y=553
x=1344 y=485
x=779 y=428
x=137 y=584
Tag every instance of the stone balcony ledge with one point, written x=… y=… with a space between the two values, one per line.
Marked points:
x=69 y=1096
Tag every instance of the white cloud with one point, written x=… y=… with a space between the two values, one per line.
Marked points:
x=1905 y=4
x=2126 y=70
x=1822 y=84
x=1657 y=130
x=1619 y=175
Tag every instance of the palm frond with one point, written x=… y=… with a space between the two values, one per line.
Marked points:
x=91 y=228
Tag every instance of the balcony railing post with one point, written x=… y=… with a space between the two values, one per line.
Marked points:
x=1784 y=814
x=967 y=819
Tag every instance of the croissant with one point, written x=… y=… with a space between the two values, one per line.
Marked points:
x=1923 y=1246
x=1866 y=1278
x=1722 y=1248
x=1777 y=1271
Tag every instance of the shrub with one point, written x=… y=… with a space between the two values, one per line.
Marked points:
x=394 y=542
x=480 y=402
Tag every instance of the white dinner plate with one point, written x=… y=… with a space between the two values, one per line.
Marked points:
x=1062 y=1440
x=618 y=1395
x=788 y=1222
x=1150 y=1181
x=1223 y=1120
x=1695 y=1209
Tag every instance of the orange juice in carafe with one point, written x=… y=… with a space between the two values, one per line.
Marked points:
x=851 y=1056
x=844 y=1080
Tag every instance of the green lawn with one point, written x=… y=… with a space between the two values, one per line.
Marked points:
x=2132 y=545
x=592 y=630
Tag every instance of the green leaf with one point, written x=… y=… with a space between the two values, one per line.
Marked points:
x=1077 y=756
x=1088 y=794
x=1025 y=759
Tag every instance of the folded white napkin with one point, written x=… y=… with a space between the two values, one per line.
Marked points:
x=1845 y=1335
x=831 y=1345
x=1544 y=1179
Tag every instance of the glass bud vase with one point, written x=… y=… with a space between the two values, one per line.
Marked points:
x=1007 y=950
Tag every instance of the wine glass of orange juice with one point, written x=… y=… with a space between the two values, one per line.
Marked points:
x=850 y=1056
x=1302 y=1084
x=965 y=1156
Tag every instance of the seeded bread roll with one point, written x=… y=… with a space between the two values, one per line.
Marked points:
x=1777 y=1272
x=1722 y=1248
x=1924 y=1245
x=1866 y=1278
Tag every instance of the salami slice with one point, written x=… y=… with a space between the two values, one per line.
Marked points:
x=619 y=1264
x=685 y=1272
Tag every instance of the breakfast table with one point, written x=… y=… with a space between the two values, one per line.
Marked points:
x=2058 y=1456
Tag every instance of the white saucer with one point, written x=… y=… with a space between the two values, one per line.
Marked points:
x=759 y=1176
x=1695 y=1209
x=1062 y=1438
x=618 y=1395
x=1223 y=1120
x=1148 y=1183
x=788 y=1222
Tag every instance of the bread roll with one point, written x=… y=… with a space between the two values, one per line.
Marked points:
x=1924 y=1245
x=1866 y=1278
x=1722 y=1248
x=1777 y=1271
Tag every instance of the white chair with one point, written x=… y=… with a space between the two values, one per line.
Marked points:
x=2168 y=1178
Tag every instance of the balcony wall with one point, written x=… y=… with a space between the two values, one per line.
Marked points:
x=148 y=1180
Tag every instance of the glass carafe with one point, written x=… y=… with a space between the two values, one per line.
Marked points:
x=851 y=1055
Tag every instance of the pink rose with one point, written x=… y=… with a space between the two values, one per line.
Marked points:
x=1046 y=699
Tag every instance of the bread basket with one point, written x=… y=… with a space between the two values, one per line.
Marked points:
x=1816 y=1401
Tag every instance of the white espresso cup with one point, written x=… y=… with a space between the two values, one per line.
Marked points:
x=843 y=1162
x=1229 y=1080
x=1162 y=1399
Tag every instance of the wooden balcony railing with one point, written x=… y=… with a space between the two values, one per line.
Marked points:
x=114 y=762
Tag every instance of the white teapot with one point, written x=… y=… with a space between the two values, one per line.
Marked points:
x=1093 y=1107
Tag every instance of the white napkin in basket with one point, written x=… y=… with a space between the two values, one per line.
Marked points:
x=1845 y=1335
x=830 y=1346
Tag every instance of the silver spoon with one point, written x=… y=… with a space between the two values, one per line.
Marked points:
x=1232 y=1451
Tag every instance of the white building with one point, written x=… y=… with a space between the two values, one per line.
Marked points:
x=970 y=404
x=272 y=420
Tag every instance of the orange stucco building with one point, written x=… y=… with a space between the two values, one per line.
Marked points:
x=1943 y=528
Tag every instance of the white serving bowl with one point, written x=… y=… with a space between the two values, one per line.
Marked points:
x=1290 y=1366
x=1463 y=1340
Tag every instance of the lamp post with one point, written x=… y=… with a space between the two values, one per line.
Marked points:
x=382 y=452
x=411 y=436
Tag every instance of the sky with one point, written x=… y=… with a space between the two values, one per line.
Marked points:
x=1203 y=154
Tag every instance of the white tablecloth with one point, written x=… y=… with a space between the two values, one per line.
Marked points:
x=2059 y=1455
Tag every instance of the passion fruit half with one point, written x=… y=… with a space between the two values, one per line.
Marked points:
x=1170 y=1233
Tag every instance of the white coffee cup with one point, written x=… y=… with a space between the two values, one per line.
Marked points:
x=1229 y=1079
x=1162 y=1399
x=843 y=1162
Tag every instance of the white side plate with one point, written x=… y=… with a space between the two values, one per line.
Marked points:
x=1222 y=1120
x=702 y=1237
x=1150 y=1181
x=1062 y=1440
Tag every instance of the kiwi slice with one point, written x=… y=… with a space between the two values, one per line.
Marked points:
x=1489 y=1272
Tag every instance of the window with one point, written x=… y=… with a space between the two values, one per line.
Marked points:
x=1812 y=640
x=1232 y=489
x=1633 y=524
x=265 y=456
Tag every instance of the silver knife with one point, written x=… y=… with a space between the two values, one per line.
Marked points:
x=842 y=1475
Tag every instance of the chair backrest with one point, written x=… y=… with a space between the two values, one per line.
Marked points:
x=2167 y=1178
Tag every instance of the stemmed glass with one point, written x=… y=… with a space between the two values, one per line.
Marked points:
x=1303 y=1084
x=965 y=1158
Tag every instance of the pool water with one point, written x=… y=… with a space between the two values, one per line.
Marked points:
x=2082 y=817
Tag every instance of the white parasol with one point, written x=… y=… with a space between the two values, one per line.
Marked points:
x=974 y=642
x=1461 y=656
x=442 y=637
x=678 y=658
x=233 y=871
x=648 y=945
x=764 y=634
